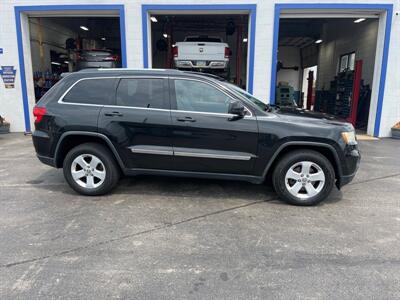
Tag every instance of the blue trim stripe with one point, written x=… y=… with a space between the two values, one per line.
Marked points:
x=25 y=102
x=251 y=8
x=145 y=38
x=122 y=31
x=253 y=15
x=381 y=94
x=274 y=55
x=388 y=8
x=21 y=9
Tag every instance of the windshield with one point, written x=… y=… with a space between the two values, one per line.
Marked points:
x=248 y=96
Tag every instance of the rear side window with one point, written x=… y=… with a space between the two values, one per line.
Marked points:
x=141 y=92
x=92 y=91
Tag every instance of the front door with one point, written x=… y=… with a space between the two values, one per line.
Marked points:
x=139 y=123
x=206 y=138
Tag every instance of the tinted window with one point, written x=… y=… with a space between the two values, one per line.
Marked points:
x=92 y=91
x=198 y=96
x=141 y=92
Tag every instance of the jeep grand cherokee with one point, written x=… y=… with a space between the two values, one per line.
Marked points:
x=100 y=124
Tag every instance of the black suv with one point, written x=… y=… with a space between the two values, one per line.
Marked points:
x=100 y=124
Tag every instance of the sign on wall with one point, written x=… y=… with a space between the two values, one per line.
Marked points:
x=8 y=75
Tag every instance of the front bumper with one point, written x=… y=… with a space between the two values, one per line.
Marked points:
x=352 y=163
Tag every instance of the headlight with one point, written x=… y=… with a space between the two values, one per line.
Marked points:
x=349 y=137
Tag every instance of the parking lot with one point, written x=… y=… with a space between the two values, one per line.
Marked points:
x=177 y=238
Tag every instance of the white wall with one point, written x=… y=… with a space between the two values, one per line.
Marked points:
x=11 y=99
x=290 y=57
x=341 y=37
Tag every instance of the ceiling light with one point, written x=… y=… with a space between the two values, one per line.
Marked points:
x=66 y=62
x=103 y=38
x=359 y=20
x=84 y=28
x=318 y=41
x=55 y=63
x=245 y=40
x=165 y=35
x=153 y=19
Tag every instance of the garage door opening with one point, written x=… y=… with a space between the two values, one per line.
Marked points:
x=327 y=65
x=69 y=44
x=216 y=44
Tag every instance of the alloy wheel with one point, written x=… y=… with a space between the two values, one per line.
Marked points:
x=304 y=179
x=88 y=171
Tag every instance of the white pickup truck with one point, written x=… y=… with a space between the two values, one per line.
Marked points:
x=201 y=52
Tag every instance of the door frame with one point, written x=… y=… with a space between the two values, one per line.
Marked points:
x=385 y=16
x=225 y=9
x=23 y=37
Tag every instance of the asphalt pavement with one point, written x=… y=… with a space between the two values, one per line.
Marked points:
x=181 y=238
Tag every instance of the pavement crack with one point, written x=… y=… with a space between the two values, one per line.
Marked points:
x=374 y=179
x=127 y=236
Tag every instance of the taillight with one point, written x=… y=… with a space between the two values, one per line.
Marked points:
x=38 y=113
x=111 y=58
x=227 y=52
x=175 y=51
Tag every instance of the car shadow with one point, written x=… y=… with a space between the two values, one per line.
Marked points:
x=182 y=187
x=195 y=187
x=163 y=186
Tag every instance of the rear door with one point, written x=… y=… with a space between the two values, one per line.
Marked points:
x=139 y=123
x=86 y=96
x=206 y=138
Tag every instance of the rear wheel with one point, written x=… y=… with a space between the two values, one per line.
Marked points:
x=90 y=169
x=303 y=177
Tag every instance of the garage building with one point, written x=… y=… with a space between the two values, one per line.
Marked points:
x=335 y=58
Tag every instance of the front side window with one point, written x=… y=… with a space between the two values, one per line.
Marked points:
x=141 y=92
x=92 y=91
x=201 y=97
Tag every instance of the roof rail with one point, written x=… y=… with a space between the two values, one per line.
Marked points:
x=219 y=78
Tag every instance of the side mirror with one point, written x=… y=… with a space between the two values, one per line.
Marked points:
x=236 y=108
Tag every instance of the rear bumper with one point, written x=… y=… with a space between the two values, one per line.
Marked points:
x=47 y=160
x=194 y=64
x=96 y=64
x=42 y=144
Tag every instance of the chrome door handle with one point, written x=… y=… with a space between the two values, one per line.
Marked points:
x=113 y=114
x=185 y=119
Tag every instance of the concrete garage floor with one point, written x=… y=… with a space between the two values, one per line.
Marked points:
x=168 y=238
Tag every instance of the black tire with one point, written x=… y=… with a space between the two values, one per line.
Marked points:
x=112 y=172
x=289 y=160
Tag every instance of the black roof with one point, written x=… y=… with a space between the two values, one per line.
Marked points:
x=129 y=71
x=156 y=72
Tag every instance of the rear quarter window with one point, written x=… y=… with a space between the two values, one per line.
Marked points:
x=99 y=91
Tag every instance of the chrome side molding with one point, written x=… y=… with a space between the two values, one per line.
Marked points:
x=147 y=149
x=190 y=152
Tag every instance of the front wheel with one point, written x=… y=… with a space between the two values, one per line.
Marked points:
x=303 y=177
x=90 y=169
